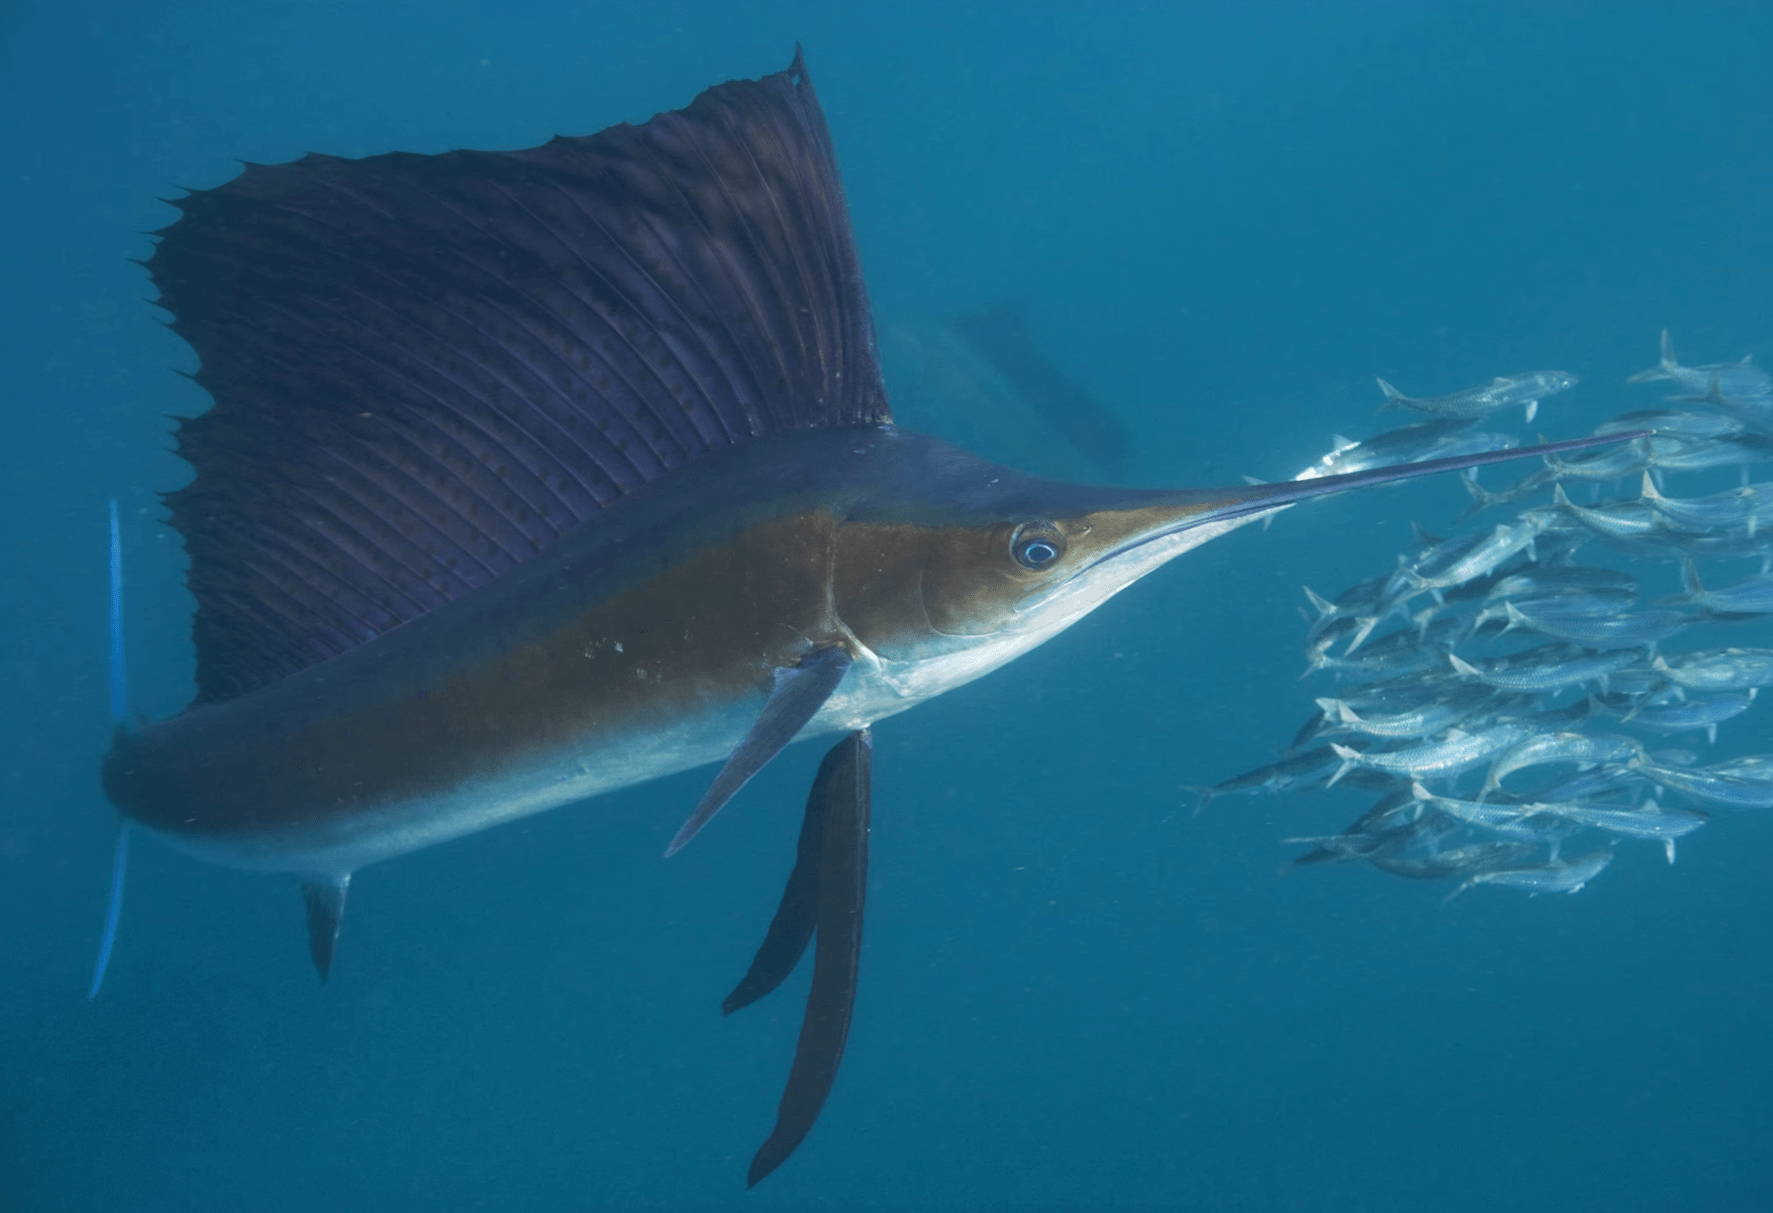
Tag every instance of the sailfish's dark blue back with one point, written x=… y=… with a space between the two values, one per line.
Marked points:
x=428 y=367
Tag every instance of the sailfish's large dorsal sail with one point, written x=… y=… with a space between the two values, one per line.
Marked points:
x=427 y=367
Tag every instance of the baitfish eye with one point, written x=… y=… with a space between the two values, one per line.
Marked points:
x=1036 y=545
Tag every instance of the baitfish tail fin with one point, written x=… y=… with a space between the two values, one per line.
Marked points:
x=1692 y=588
x=843 y=792
x=1481 y=498
x=325 y=900
x=1393 y=398
x=1465 y=668
x=1324 y=607
x=1364 y=628
x=119 y=714
x=1351 y=758
x=1663 y=369
x=799 y=693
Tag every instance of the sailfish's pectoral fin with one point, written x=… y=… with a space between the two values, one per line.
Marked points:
x=800 y=691
x=824 y=898
x=325 y=900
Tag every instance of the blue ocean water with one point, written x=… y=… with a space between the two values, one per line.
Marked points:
x=1076 y=993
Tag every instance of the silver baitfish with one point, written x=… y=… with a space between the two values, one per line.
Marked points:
x=1550 y=749
x=1550 y=583
x=1423 y=720
x=1559 y=876
x=1502 y=392
x=1549 y=667
x=1605 y=780
x=1718 y=669
x=1519 y=822
x=1741 y=380
x=1747 y=509
x=1668 y=712
x=1692 y=425
x=1393 y=824
x=1392 y=655
x=1649 y=820
x=1294 y=771
x=1457 y=751
x=1490 y=551
x=1613 y=519
x=1742 y=783
x=1589 y=604
x=1445 y=438
x=1751 y=596
x=1640 y=629
x=1456 y=861
x=1696 y=455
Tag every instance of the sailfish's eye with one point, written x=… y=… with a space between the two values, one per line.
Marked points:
x=1036 y=545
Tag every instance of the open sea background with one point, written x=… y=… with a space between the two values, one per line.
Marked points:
x=1076 y=993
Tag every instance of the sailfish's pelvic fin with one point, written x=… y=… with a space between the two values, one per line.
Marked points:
x=798 y=913
x=799 y=693
x=325 y=900
x=824 y=898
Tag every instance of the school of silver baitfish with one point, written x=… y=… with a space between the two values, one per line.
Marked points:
x=1515 y=705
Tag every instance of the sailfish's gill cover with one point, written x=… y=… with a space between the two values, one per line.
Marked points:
x=427 y=368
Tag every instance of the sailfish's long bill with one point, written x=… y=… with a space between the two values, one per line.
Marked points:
x=535 y=475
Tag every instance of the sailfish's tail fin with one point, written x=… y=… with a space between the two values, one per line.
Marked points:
x=119 y=712
x=113 y=911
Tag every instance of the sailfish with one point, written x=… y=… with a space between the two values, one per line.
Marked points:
x=532 y=475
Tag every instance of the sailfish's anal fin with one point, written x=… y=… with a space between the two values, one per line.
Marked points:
x=837 y=816
x=325 y=900
x=799 y=692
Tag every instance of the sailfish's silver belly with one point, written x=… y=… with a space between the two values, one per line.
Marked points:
x=596 y=763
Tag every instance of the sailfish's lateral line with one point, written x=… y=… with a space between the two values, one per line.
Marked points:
x=533 y=475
